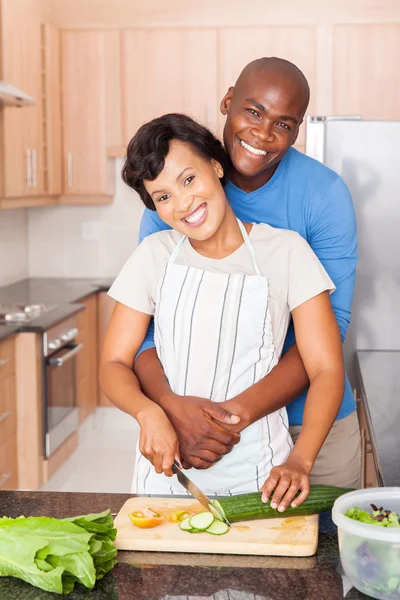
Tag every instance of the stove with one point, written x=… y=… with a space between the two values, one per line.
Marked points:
x=23 y=313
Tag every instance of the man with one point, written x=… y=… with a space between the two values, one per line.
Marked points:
x=273 y=183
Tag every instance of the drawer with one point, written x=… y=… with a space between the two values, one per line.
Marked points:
x=7 y=358
x=8 y=415
x=8 y=464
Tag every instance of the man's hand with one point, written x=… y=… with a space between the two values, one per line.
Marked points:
x=158 y=441
x=287 y=480
x=202 y=441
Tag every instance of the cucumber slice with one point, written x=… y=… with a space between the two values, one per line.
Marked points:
x=185 y=524
x=201 y=521
x=218 y=528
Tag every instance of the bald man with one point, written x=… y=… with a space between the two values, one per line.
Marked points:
x=271 y=182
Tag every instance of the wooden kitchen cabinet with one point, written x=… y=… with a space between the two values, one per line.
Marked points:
x=106 y=306
x=86 y=360
x=8 y=417
x=366 y=70
x=87 y=171
x=369 y=476
x=25 y=148
x=168 y=70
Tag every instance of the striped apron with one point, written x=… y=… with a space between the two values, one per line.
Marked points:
x=213 y=335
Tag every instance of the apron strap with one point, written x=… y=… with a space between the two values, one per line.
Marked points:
x=249 y=247
x=246 y=239
x=174 y=254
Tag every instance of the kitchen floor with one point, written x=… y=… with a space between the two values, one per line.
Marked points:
x=104 y=458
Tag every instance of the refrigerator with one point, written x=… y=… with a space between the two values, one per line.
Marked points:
x=367 y=156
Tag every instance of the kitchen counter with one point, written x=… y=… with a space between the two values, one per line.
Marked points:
x=379 y=379
x=144 y=575
x=64 y=293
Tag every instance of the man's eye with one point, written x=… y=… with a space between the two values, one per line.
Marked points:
x=163 y=198
x=188 y=180
x=252 y=112
x=284 y=126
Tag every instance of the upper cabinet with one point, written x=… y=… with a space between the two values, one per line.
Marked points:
x=28 y=158
x=366 y=71
x=168 y=70
x=87 y=172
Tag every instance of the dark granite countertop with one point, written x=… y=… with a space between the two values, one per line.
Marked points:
x=379 y=377
x=173 y=576
x=64 y=293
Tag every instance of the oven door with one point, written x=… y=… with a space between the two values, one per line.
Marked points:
x=62 y=414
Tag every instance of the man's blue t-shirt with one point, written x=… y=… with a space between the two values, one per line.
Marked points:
x=307 y=197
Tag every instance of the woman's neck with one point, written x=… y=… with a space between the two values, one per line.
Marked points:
x=225 y=240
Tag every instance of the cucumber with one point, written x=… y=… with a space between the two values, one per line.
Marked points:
x=247 y=507
x=201 y=521
x=218 y=528
x=185 y=524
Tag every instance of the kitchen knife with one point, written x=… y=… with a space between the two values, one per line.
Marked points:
x=197 y=493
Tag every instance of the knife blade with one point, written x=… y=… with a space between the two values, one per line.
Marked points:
x=197 y=493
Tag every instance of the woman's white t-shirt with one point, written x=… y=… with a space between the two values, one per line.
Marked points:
x=293 y=271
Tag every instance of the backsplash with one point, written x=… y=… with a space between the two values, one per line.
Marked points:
x=84 y=241
x=13 y=246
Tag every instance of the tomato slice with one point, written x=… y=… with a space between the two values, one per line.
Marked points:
x=179 y=515
x=146 y=518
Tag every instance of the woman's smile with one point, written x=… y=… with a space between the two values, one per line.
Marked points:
x=197 y=216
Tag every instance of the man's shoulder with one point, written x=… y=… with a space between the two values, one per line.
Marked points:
x=306 y=167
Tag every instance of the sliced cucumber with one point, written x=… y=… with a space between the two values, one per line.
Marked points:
x=218 y=528
x=201 y=521
x=185 y=524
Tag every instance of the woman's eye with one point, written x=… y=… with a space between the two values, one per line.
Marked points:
x=163 y=198
x=252 y=112
x=188 y=180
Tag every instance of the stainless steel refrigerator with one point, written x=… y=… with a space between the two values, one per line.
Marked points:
x=367 y=155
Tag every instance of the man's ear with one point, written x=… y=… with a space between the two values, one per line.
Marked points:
x=226 y=100
x=218 y=168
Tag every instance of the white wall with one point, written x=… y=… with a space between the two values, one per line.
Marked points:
x=56 y=244
x=13 y=245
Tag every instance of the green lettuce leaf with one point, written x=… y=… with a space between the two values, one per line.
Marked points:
x=54 y=554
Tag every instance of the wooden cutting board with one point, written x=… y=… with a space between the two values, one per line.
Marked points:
x=290 y=536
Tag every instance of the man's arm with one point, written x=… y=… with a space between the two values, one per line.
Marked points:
x=333 y=238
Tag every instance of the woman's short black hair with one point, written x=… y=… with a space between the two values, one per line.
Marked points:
x=148 y=148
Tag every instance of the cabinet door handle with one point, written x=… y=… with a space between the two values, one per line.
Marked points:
x=29 y=167
x=4 y=362
x=34 y=179
x=69 y=170
x=4 y=478
x=4 y=416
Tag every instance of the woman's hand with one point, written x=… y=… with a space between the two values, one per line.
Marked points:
x=287 y=480
x=158 y=441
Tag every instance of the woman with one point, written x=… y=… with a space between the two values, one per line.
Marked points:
x=222 y=293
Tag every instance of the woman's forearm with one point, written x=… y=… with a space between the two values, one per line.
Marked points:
x=322 y=405
x=121 y=386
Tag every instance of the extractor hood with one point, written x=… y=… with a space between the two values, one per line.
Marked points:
x=12 y=96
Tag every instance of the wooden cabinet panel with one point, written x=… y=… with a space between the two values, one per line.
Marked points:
x=86 y=363
x=22 y=128
x=366 y=71
x=52 y=152
x=8 y=417
x=106 y=306
x=168 y=70
x=239 y=46
x=86 y=168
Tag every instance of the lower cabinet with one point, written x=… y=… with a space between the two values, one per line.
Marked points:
x=369 y=476
x=8 y=417
x=86 y=364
